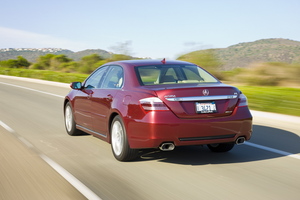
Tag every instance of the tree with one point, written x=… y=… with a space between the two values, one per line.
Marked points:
x=206 y=59
x=89 y=63
x=20 y=62
x=203 y=58
x=69 y=67
x=58 y=62
x=43 y=62
x=51 y=62
x=116 y=57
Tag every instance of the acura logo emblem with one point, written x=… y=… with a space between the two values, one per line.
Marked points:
x=205 y=92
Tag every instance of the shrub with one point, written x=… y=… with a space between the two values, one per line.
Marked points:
x=268 y=74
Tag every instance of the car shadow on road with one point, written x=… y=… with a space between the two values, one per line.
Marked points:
x=200 y=155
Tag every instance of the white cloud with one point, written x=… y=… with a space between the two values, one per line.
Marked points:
x=13 y=38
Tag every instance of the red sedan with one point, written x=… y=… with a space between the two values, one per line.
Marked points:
x=138 y=104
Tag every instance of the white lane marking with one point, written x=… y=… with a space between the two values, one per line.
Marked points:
x=28 y=144
x=26 y=88
x=33 y=80
x=273 y=150
x=84 y=190
x=71 y=179
x=6 y=127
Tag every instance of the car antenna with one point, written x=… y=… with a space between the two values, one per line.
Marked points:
x=163 y=61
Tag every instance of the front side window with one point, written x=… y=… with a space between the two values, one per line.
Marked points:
x=94 y=80
x=173 y=74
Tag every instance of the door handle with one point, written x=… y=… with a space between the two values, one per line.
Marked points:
x=109 y=97
x=90 y=93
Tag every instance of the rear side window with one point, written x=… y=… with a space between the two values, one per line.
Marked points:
x=173 y=74
x=114 y=78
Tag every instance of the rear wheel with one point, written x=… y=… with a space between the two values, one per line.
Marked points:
x=119 y=142
x=69 y=121
x=222 y=147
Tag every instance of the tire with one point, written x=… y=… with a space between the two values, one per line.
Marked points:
x=119 y=142
x=222 y=147
x=69 y=121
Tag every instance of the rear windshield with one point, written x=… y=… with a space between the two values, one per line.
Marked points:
x=173 y=74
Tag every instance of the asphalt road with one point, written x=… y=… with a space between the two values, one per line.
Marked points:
x=38 y=160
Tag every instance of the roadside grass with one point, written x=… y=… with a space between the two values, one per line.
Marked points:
x=282 y=100
x=44 y=75
x=275 y=99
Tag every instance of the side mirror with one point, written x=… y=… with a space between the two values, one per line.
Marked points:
x=76 y=85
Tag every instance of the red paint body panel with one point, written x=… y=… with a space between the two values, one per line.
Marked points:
x=156 y=128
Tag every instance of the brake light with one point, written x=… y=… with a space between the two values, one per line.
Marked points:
x=243 y=100
x=153 y=103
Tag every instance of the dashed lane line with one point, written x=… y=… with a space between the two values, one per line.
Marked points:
x=84 y=190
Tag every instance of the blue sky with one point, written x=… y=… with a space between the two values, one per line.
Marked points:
x=156 y=28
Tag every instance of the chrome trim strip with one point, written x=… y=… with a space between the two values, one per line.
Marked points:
x=203 y=98
x=91 y=131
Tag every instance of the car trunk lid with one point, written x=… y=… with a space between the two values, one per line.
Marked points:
x=200 y=101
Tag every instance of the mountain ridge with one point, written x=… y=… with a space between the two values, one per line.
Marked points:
x=248 y=53
x=259 y=51
x=31 y=54
x=234 y=56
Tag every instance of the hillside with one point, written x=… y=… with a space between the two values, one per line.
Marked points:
x=260 y=51
x=31 y=54
x=239 y=55
x=78 y=55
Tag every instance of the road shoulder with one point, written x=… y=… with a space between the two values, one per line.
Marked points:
x=24 y=175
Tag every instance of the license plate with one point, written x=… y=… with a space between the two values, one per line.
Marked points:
x=206 y=107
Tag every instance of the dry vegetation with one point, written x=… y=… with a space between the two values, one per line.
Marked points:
x=266 y=74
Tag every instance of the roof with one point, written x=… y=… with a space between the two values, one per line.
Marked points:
x=148 y=62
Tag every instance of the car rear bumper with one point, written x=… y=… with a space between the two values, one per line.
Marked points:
x=160 y=127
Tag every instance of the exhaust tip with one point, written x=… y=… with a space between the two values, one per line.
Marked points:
x=240 y=140
x=168 y=146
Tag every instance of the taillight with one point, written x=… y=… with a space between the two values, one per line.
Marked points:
x=153 y=103
x=243 y=100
